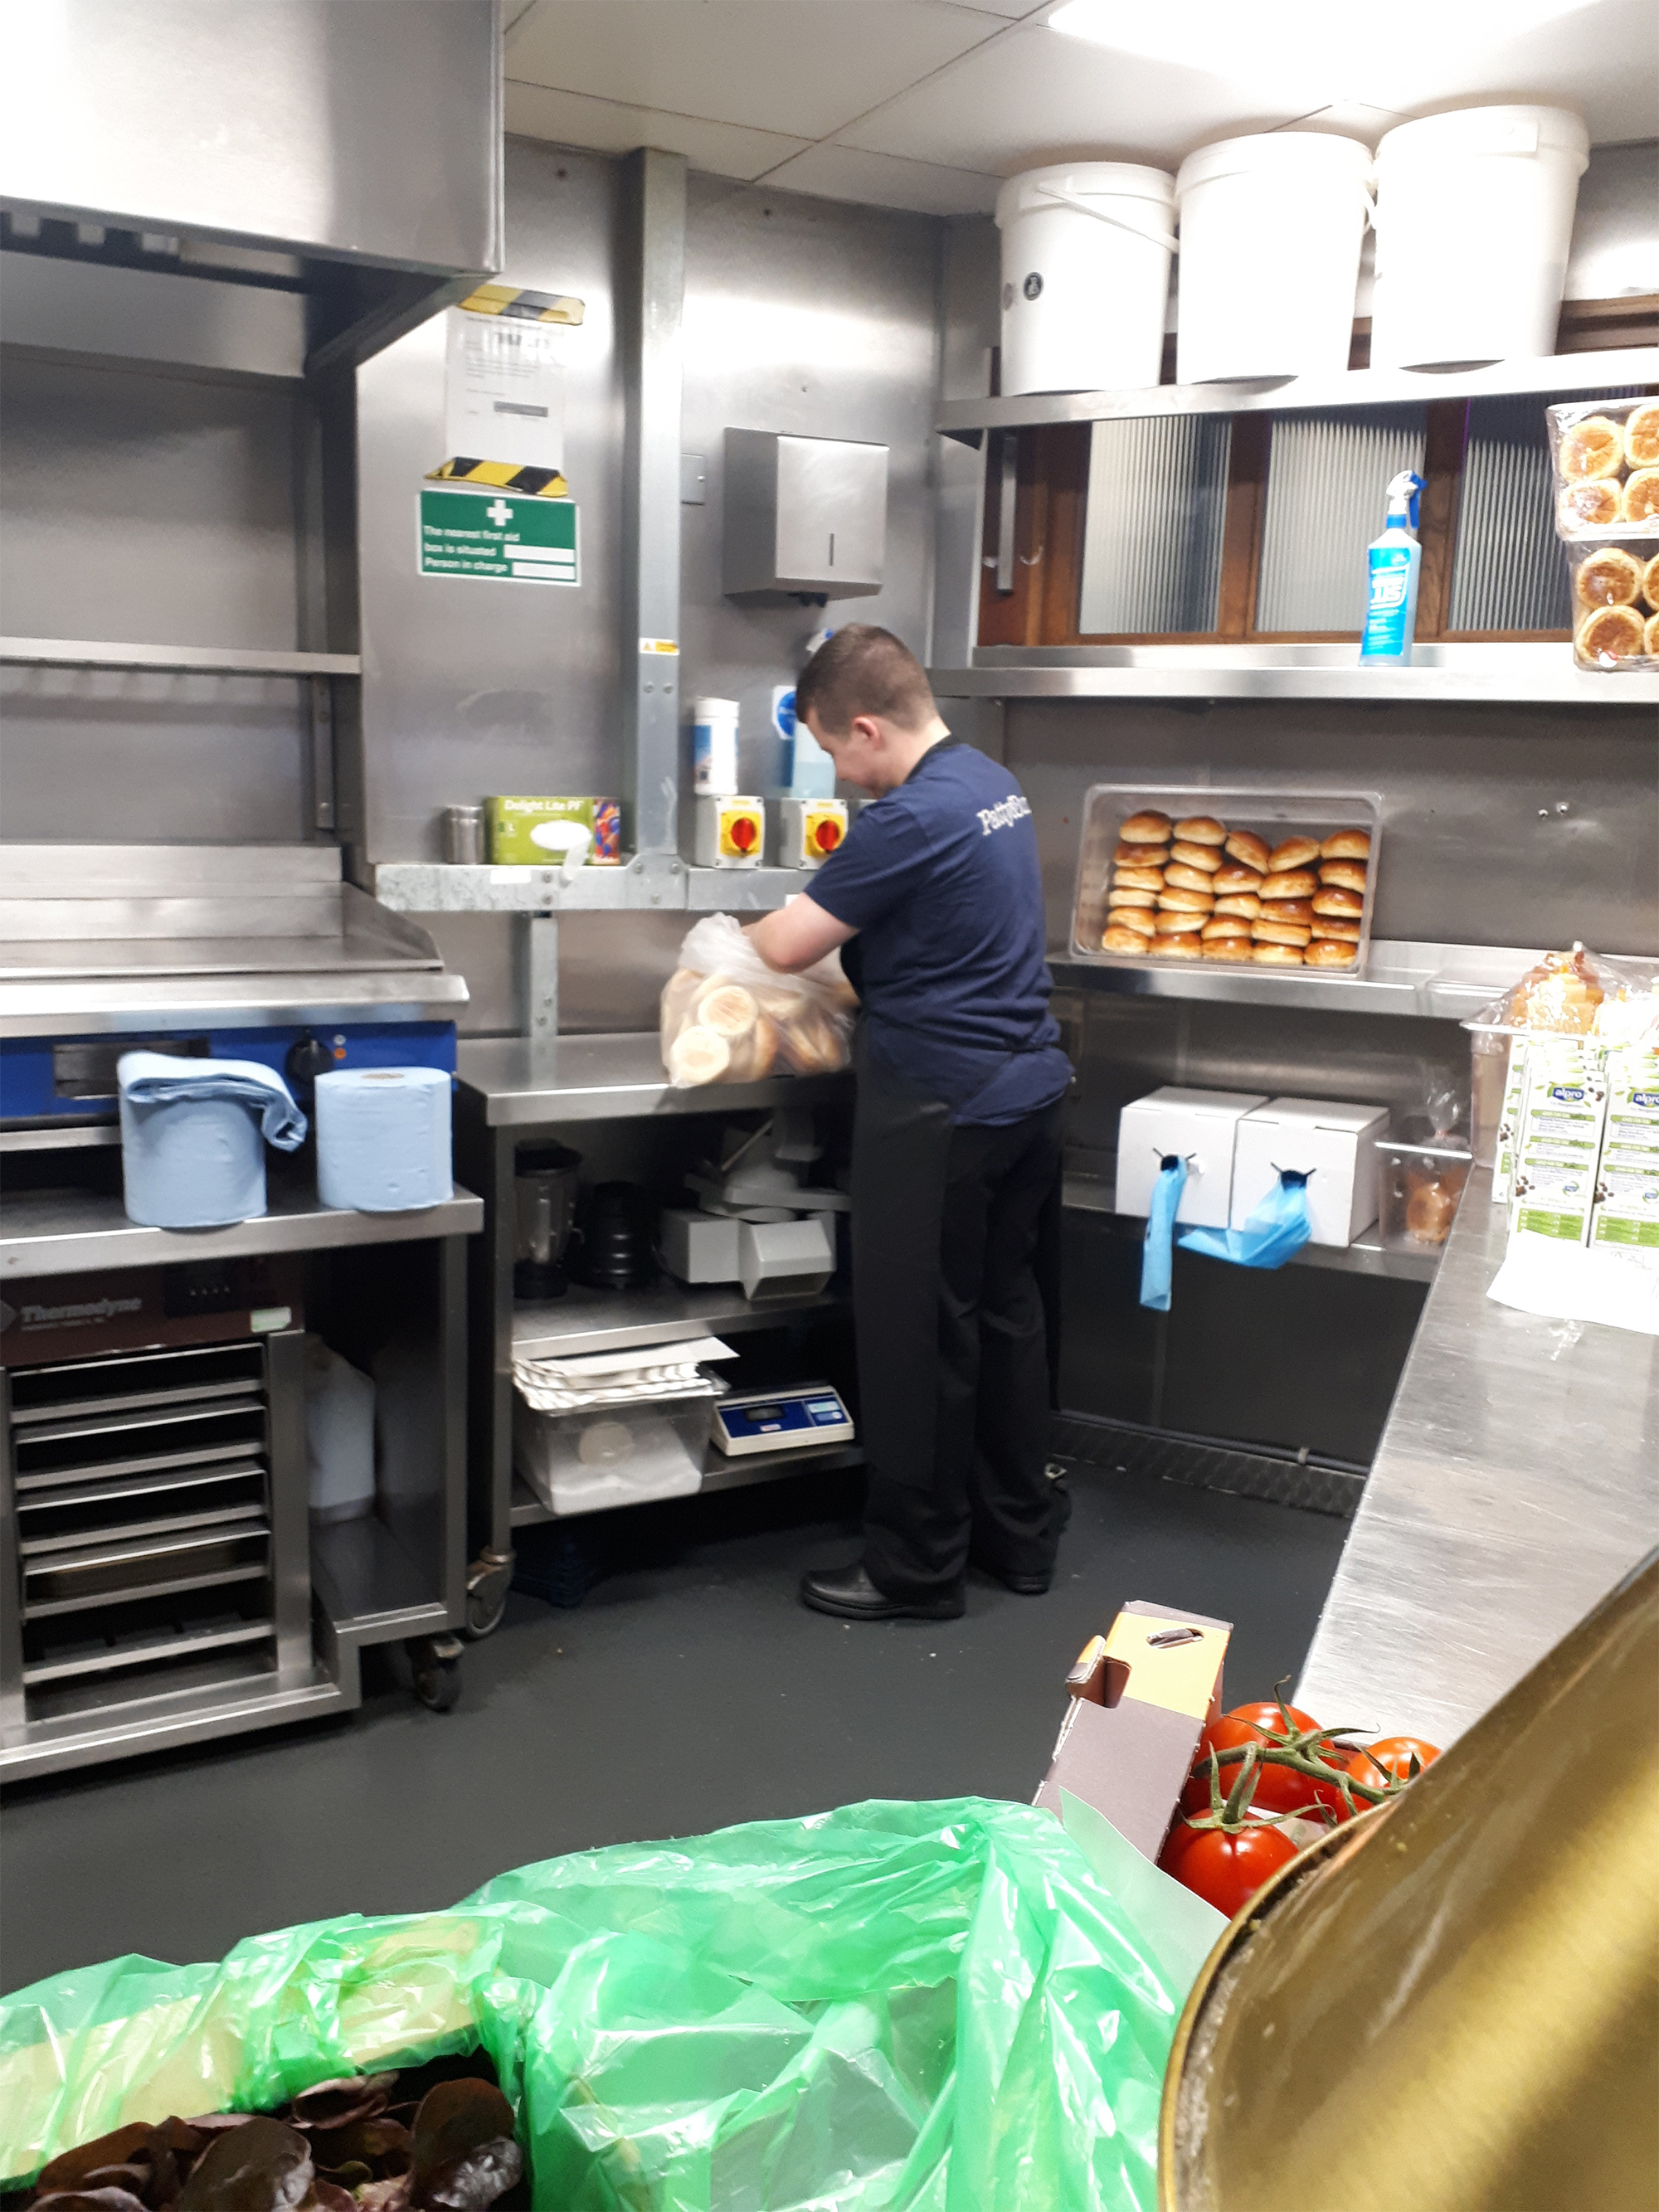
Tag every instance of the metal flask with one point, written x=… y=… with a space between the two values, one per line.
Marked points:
x=1449 y=2004
x=544 y=1198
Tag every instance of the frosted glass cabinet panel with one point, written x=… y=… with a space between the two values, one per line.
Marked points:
x=1151 y=542
x=1327 y=474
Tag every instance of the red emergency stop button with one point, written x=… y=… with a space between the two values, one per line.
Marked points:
x=827 y=836
x=742 y=832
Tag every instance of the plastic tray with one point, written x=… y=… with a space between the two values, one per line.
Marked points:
x=1271 y=814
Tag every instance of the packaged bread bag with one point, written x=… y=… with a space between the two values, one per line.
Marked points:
x=1606 y=453
x=727 y=1017
x=1615 y=604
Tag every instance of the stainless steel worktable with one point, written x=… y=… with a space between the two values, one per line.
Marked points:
x=1517 y=1481
x=608 y=1078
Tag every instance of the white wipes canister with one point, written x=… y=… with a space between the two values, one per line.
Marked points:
x=714 y=748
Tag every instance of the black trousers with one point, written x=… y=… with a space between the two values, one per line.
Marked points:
x=955 y=1274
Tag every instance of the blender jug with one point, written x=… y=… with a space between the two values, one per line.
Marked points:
x=544 y=1194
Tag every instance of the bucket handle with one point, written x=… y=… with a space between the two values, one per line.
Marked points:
x=1164 y=237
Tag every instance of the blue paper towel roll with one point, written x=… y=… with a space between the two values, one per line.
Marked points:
x=383 y=1138
x=192 y=1152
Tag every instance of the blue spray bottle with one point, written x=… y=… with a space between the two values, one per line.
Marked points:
x=1393 y=561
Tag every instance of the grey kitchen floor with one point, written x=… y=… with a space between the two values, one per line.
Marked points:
x=689 y=1690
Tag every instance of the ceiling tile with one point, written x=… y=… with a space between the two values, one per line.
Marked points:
x=610 y=126
x=1036 y=96
x=1602 y=59
x=1010 y=10
x=845 y=172
x=804 y=67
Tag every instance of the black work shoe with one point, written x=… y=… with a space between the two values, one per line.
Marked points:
x=849 y=1593
x=1029 y=1585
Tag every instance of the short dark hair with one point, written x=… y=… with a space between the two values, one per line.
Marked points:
x=864 y=670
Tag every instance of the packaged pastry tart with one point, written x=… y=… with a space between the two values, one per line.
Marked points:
x=1606 y=453
x=1615 y=604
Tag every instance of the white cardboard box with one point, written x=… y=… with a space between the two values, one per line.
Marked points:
x=1200 y=1126
x=1332 y=1144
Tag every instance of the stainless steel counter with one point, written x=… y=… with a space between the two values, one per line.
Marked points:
x=608 y=1078
x=63 y=1232
x=1517 y=1480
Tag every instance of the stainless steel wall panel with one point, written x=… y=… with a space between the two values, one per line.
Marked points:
x=650 y=299
x=1327 y=474
x=147 y=509
x=1615 y=229
x=1503 y=825
x=470 y=687
x=819 y=320
x=114 y=757
x=370 y=131
x=1151 y=542
x=137 y=314
x=970 y=328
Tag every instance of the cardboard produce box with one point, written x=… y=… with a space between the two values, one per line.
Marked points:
x=1129 y=1757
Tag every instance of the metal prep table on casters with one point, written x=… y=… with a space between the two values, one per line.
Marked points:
x=161 y=1580
x=513 y=1092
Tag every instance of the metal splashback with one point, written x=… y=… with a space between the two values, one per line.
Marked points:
x=348 y=154
x=96 y=938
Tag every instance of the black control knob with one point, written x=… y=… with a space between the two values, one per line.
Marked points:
x=307 y=1059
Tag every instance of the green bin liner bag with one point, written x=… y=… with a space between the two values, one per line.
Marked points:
x=913 y=2008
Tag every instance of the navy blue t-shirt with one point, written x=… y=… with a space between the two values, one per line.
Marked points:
x=940 y=879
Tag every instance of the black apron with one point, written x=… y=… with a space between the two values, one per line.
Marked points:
x=902 y=1142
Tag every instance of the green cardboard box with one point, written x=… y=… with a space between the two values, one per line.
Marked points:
x=540 y=832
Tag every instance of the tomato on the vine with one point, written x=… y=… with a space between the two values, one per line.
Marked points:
x=1391 y=1756
x=1226 y=1869
x=1278 y=1788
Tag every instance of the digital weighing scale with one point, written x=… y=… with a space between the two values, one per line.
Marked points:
x=814 y=1414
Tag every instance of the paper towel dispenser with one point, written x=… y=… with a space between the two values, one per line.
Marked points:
x=804 y=516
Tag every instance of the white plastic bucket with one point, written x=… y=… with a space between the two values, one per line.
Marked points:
x=1270 y=229
x=1085 y=276
x=1473 y=220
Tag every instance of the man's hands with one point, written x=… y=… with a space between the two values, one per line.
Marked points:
x=797 y=935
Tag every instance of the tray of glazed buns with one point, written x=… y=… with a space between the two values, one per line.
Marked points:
x=1227 y=879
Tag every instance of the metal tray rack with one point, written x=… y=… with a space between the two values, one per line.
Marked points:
x=155 y=1552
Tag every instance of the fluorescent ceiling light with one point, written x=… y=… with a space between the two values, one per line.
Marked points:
x=1311 y=50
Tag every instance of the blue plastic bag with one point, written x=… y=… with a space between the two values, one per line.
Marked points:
x=1275 y=1233
x=1156 y=1258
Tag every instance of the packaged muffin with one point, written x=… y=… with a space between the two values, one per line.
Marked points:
x=1615 y=604
x=1607 y=468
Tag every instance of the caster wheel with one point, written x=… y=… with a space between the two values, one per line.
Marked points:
x=489 y=1580
x=436 y=1663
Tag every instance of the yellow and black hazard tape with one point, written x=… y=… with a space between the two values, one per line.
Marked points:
x=520 y=306
x=501 y=476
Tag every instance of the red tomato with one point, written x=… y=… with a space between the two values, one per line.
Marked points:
x=1278 y=1788
x=1226 y=1871
x=1391 y=1755
x=1175 y=1844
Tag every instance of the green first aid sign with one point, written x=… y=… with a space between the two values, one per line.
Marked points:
x=503 y=540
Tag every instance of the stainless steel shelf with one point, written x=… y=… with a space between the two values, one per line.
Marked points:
x=366 y=1579
x=1473 y=674
x=61 y=1232
x=1366 y=1255
x=174 y=659
x=1445 y=983
x=586 y=1320
x=719 y=1472
x=608 y=1079
x=1610 y=369
x=651 y=881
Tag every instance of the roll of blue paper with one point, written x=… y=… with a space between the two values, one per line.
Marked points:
x=193 y=1138
x=383 y=1138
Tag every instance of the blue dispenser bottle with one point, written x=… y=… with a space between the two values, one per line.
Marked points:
x=1393 y=561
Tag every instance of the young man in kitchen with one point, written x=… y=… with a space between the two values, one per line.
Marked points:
x=935 y=900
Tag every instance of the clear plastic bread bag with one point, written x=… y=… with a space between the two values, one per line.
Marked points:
x=727 y=1017
x=1615 y=603
x=1608 y=996
x=1606 y=453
